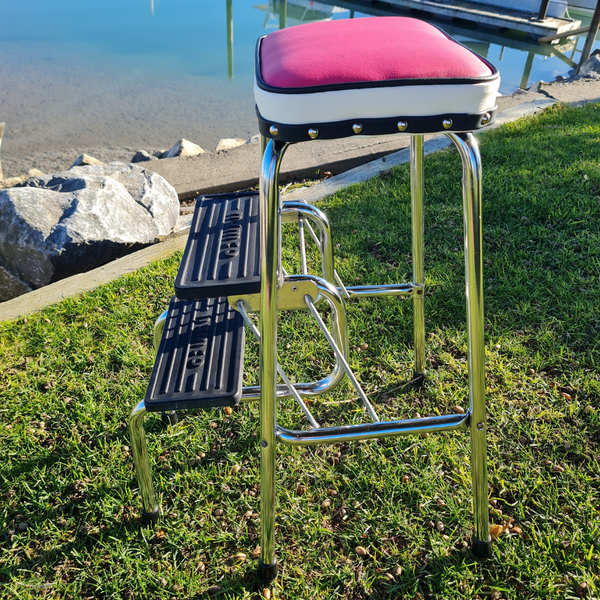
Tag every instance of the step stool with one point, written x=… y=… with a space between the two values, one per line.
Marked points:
x=328 y=80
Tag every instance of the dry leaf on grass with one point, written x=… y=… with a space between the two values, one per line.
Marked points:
x=496 y=531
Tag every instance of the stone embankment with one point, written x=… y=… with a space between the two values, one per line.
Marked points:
x=57 y=225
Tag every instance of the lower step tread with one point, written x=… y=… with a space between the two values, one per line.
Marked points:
x=200 y=359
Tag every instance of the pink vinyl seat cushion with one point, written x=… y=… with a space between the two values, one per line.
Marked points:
x=364 y=50
x=369 y=68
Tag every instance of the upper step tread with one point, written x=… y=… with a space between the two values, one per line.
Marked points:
x=221 y=257
x=200 y=358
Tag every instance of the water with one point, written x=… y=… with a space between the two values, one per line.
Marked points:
x=144 y=73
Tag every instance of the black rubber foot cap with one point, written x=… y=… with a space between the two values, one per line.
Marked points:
x=169 y=418
x=418 y=378
x=481 y=549
x=150 y=519
x=267 y=573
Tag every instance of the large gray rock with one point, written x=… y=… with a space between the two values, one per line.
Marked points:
x=57 y=225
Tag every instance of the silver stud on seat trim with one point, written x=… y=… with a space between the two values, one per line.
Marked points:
x=447 y=123
x=402 y=125
x=313 y=133
x=486 y=118
x=273 y=131
x=357 y=127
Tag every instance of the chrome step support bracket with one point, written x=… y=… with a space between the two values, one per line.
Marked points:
x=243 y=311
x=326 y=292
x=298 y=212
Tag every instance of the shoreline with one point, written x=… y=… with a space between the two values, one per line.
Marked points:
x=20 y=152
x=514 y=107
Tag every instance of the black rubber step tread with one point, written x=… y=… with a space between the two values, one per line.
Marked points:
x=200 y=358
x=221 y=257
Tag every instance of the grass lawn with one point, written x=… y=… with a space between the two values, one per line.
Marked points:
x=70 y=375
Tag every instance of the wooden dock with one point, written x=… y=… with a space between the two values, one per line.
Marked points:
x=493 y=16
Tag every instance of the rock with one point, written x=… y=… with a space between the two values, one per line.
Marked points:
x=229 y=143
x=70 y=222
x=35 y=173
x=183 y=148
x=591 y=65
x=11 y=286
x=10 y=182
x=85 y=159
x=255 y=139
x=142 y=156
x=536 y=87
x=159 y=153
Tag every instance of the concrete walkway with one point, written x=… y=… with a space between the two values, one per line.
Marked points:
x=351 y=161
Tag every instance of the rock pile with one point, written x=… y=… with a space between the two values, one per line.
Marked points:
x=53 y=226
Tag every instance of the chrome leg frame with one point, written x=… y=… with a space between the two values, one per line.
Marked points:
x=159 y=327
x=150 y=510
x=170 y=417
x=270 y=237
x=416 y=192
x=469 y=152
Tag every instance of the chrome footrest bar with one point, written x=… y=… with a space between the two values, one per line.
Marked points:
x=369 y=431
x=400 y=289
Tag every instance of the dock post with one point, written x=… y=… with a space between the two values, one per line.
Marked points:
x=591 y=36
x=543 y=10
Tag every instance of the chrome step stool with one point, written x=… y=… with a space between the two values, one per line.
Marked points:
x=372 y=76
x=324 y=81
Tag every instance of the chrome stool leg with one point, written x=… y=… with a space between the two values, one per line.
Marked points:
x=469 y=152
x=271 y=276
x=170 y=417
x=416 y=192
x=139 y=450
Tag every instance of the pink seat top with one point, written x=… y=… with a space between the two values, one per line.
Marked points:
x=365 y=50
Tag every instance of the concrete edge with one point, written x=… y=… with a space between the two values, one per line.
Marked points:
x=85 y=282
